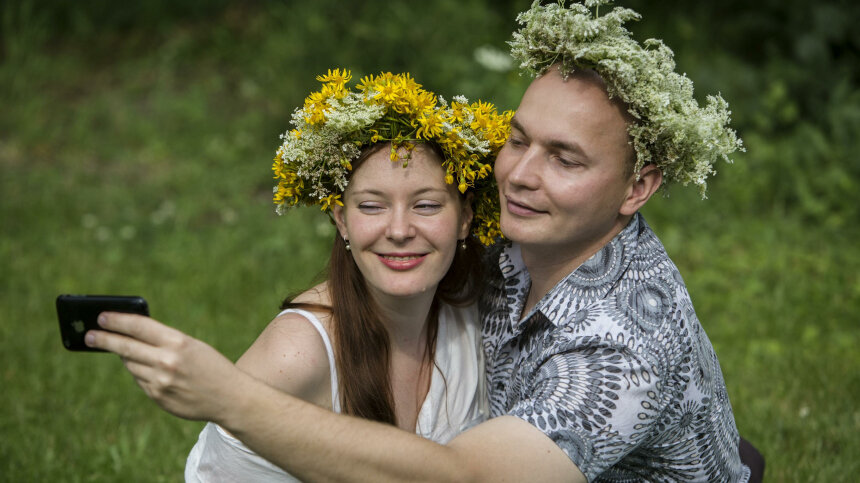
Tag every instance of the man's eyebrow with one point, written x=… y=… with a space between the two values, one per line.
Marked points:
x=516 y=124
x=566 y=146
x=558 y=144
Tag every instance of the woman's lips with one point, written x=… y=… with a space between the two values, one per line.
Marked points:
x=401 y=261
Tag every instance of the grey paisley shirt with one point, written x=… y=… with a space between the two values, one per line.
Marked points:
x=612 y=365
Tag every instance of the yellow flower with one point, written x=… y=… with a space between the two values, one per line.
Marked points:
x=387 y=94
x=333 y=90
x=316 y=105
x=286 y=193
x=404 y=114
x=423 y=101
x=457 y=113
x=336 y=76
x=277 y=168
x=328 y=201
x=431 y=125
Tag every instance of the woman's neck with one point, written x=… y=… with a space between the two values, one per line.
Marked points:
x=405 y=318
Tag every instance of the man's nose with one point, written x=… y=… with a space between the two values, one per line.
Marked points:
x=525 y=172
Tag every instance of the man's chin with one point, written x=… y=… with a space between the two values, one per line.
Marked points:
x=521 y=231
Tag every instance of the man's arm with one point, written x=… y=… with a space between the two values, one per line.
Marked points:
x=314 y=444
x=192 y=380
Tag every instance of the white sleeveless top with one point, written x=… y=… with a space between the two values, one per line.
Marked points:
x=456 y=401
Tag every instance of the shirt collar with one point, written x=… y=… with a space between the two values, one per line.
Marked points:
x=590 y=282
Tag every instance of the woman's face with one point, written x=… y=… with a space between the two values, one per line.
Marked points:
x=402 y=223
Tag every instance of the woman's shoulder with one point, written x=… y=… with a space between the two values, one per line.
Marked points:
x=316 y=295
x=291 y=353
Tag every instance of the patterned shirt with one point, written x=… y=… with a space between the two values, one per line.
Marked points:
x=612 y=365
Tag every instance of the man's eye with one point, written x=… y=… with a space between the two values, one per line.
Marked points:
x=568 y=163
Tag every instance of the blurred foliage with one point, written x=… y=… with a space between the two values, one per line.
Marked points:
x=135 y=145
x=790 y=71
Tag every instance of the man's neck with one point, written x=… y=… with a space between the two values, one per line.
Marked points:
x=548 y=265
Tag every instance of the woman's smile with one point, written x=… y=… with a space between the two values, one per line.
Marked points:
x=402 y=261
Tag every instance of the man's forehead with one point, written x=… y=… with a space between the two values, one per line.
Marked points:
x=574 y=114
x=557 y=101
x=579 y=86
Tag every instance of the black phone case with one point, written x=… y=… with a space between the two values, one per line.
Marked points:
x=77 y=314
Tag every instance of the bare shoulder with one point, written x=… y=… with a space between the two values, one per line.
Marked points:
x=317 y=295
x=290 y=354
x=511 y=449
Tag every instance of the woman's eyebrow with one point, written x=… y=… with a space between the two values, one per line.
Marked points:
x=377 y=192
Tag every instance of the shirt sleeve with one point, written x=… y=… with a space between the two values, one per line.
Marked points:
x=596 y=400
x=219 y=457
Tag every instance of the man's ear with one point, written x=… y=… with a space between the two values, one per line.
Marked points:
x=340 y=221
x=466 y=216
x=650 y=178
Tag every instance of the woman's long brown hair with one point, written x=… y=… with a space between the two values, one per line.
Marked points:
x=361 y=343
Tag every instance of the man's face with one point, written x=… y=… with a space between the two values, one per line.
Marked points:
x=563 y=175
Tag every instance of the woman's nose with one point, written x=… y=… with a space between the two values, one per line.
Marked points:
x=400 y=227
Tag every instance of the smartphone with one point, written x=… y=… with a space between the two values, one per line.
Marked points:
x=78 y=313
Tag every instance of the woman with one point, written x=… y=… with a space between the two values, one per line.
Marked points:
x=392 y=334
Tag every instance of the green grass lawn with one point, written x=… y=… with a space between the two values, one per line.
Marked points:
x=141 y=165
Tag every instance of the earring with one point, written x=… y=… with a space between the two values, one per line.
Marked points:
x=348 y=248
x=463 y=244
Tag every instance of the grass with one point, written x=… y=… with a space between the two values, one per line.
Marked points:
x=138 y=164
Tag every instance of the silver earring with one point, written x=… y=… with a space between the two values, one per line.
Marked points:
x=348 y=248
x=463 y=244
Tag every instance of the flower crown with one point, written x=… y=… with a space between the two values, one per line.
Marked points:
x=671 y=130
x=312 y=165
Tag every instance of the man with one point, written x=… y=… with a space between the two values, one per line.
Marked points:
x=597 y=366
x=590 y=320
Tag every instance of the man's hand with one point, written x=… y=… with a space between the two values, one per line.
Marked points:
x=183 y=375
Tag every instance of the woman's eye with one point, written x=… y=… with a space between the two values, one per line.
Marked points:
x=515 y=141
x=428 y=207
x=369 y=208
